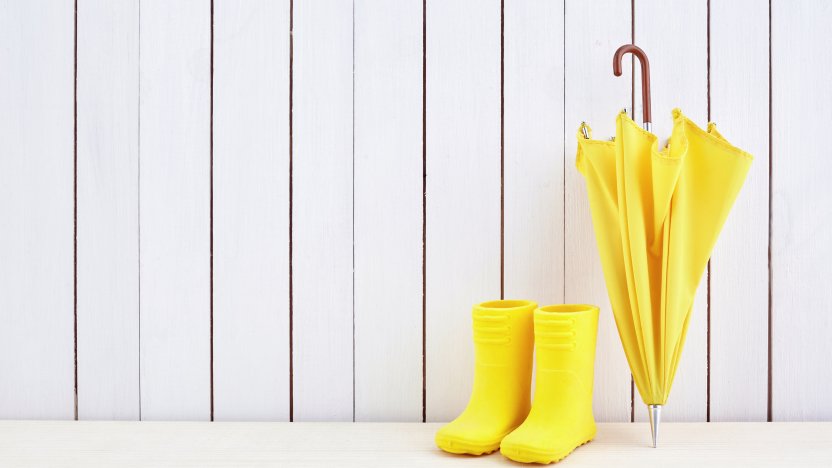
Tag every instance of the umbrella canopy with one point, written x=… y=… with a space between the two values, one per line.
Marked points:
x=657 y=215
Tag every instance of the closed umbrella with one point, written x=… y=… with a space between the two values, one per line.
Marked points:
x=657 y=213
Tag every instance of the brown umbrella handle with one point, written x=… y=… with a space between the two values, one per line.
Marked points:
x=645 y=75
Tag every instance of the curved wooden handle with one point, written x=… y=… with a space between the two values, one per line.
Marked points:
x=645 y=74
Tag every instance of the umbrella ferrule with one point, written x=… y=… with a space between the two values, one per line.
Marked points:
x=655 y=414
x=647 y=126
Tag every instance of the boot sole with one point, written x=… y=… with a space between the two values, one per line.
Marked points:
x=530 y=455
x=463 y=447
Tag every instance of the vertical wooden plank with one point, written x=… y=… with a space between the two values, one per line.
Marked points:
x=36 y=205
x=251 y=210
x=593 y=94
x=533 y=166
x=108 y=217
x=739 y=264
x=801 y=256
x=463 y=190
x=175 y=118
x=674 y=34
x=388 y=210
x=322 y=210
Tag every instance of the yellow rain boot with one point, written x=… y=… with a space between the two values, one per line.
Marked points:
x=500 y=400
x=561 y=416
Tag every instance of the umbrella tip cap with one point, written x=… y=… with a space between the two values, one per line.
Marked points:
x=655 y=414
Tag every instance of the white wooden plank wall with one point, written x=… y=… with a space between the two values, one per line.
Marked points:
x=801 y=212
x=285 y=210
x=463 y=190
x=251 y=210
x=533 y=178
x=594 y=95
x=388 y=218
x=739 y=321
x=108 y=210
x=175 y=202
x=322 y=211
x=36 y=206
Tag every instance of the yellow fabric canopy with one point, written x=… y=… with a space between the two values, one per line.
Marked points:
x=657 y=215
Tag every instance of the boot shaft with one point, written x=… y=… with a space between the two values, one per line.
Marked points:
x=565 y=337
x=503 y=333
x=503 y=350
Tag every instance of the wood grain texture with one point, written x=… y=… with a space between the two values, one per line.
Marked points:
x=533 y=149
x=674 y=35
x=801 y=215
x=323 y=210
x=388 y=210
x=593 y=94
x=251 y=210
x=108 y=209
x=144 y=196
x=463 y=190
x=739 y=263
x=150 y=444
x=36 y=206
x=175 y=118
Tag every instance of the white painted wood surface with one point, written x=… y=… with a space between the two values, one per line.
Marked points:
x=36 y=208
x=175 y=118
x=739 y=321
x=108 y=210
x=677 y=46
x=70 y=444
x=463 y=190
x=144 y=195
x=533 y=145
x=251 y=210
x=322 y=210
x=388 y=210
x=801 y=214
x=594 y=95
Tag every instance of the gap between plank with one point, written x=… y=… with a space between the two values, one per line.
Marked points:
x=291 y=194
x=563 y=179
x=633 y=116
x=353 y=211
x=139 y=201
x=211 y=215
x=502 y=152
x=769 y=412
x=708 y=344
x=75 y=211
x=424 y=208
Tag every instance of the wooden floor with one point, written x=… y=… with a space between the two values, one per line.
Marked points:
x=192 y=444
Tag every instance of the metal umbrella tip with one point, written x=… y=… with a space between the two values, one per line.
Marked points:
x=655 y=414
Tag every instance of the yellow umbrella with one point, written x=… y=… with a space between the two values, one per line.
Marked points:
x=657 y=215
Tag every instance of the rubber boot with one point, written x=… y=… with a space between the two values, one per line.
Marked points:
x=561 y=416
x=500 y=400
